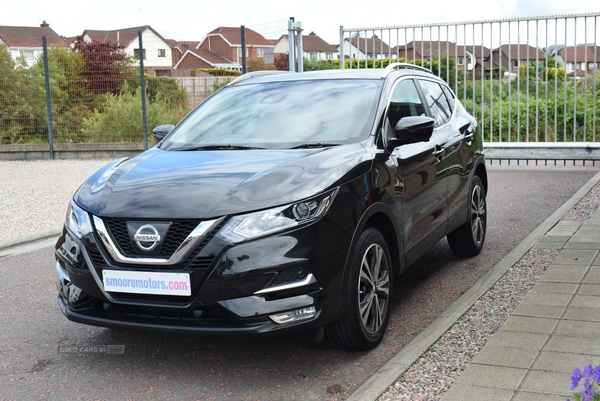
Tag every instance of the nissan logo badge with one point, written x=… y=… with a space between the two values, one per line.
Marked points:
x=147 y=237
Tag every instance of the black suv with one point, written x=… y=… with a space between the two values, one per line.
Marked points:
x=283 y=202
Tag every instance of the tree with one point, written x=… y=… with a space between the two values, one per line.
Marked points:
x=257 y=64
x=10 y=99
x=106 y=65
x=282 y=62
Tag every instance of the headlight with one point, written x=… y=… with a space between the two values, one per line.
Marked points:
x=253 y=225
x=78 y=220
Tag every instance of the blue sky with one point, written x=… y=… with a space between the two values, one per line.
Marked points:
x=191 y=20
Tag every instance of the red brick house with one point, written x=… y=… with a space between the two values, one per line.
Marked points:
x=222 y=48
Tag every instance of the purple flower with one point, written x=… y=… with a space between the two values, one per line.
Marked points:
x=596 y=374
x=587 y=392
x=588 y=370
x=575 y=377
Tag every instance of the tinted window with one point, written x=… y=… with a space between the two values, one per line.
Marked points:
x=437 y=101
x=404 y=102
x=450 y=96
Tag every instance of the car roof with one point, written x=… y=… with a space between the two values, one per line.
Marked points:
x=355 y=73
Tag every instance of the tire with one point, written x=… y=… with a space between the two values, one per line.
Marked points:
x=468 y=239
x=368 y=293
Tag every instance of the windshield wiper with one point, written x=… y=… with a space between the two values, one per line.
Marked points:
x=315 y=145
x=220 y=147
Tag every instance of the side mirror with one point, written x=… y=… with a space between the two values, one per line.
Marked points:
x=411 y=130
x=161 y=131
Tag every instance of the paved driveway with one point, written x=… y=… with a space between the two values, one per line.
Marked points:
x=159 y=366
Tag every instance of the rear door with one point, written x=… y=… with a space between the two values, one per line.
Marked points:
x=453 y=130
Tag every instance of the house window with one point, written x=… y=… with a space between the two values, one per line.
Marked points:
x=136 y=54
x=329 y=56
x=460 y=60
x=28 y=56
x=260 y=51
x=313 y=56
x=240 y=52
x=162 y=53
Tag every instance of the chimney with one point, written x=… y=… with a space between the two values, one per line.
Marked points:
x=44 y=24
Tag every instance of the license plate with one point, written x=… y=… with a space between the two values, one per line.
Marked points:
x=147 y=282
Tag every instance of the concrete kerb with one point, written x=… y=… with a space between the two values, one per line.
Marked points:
x=29 y=239
x=389 y=373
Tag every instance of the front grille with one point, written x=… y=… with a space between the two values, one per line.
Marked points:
x=198 y=266
x=177 y=233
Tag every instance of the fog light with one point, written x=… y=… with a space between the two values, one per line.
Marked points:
x=294 y=316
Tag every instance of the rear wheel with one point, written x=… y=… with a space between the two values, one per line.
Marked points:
x=369 y=293
x=468 y=239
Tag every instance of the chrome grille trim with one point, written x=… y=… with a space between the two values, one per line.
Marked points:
x=178 y=256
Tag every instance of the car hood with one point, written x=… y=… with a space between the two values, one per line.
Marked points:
x=206 y=184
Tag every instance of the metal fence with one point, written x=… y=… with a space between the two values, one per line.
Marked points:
x=112 y=87
x=532 y=83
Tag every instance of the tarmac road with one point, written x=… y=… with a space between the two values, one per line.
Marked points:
x=159 y=366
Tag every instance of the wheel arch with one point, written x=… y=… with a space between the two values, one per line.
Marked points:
x=380 y=217
x=481 y=172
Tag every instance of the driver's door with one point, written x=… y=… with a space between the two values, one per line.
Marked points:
x=423 y=190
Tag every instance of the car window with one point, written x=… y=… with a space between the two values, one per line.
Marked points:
x=450 y=96
x=281 y=114
x=440 y=108
x=404 y=102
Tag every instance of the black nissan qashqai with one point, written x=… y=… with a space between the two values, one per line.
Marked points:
x=284 y=202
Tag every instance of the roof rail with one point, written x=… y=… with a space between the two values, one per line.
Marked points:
x=396 y=66
x=255 y=74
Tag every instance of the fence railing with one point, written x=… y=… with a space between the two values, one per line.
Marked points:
x=95 y=92
x=531 y=81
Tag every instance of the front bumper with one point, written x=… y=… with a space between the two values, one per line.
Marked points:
x=235 y=289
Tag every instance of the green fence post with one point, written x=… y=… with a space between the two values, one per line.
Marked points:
x=48 y=102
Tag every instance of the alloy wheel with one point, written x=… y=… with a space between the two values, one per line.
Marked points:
x=373 y=289
x=478 y=215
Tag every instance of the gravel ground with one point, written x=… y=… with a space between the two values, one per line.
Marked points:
x=433 y=374
x=28 y=194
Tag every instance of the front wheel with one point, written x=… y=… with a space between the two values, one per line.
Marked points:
x=369 y=293
x=468 y=239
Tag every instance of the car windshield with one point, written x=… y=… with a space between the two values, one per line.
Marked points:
x=280 y=115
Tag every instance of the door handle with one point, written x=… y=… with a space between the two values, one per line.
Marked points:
x=468 y=134
x=438 y=152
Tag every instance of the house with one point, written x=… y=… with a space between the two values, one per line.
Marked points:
x=222 y=48
x=467 y=56
x=157 y=52
x=193 y=59
x=25 y=42
x=178 y=48
x=579 y=58
x=365 y=48
x=314 y=48
x=511 y=57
